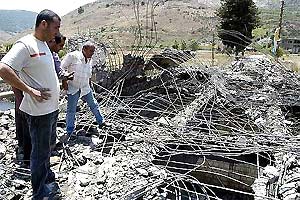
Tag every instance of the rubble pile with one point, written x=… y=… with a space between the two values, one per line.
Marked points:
x=194 y=132
x=131 y=74
x=169 y=58
x=94 y=165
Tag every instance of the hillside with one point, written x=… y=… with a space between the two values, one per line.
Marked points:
x=174 y=20
x=115 y=21
x=290 y=23
x=4 y=36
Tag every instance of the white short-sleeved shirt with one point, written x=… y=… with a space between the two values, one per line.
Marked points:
x=75 y=61
x=33 y=61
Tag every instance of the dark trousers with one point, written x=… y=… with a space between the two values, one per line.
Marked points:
x=41 y=128
x=22 y=130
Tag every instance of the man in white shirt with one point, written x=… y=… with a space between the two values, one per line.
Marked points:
x=32 y=60
x=81 y=63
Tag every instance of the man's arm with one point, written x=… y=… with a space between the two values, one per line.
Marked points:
x=57 y=63
x=14 y=60
x=61 y=73
x=65 y=64
x=10 y=77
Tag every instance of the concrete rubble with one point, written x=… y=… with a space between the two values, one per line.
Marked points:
x=193 y=132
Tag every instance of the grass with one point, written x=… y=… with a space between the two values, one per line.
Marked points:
x=204 y=58
x=292 y=61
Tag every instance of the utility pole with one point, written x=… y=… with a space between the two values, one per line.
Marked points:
x=213 y=50
x=280 y=19
x=279 y=30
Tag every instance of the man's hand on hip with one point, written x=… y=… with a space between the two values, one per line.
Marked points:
x=40 y=94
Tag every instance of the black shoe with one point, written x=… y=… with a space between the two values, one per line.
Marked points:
x=67 y=137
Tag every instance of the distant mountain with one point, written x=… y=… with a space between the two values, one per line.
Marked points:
x=15 y=21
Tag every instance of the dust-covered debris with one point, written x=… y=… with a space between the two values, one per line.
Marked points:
x=163 y=142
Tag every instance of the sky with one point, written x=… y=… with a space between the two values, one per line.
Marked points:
x=61 y=7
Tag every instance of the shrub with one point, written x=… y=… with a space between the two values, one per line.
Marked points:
x=280 y=52
x=8 y=47
x=183 y=45
x=80 y=10
x=175 y=45
x=194 y=45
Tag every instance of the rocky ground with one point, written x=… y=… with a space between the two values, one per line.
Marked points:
x=161 y=138
x=97 y=164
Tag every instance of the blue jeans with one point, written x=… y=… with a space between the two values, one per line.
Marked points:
x=41 y=128
x=71 y=109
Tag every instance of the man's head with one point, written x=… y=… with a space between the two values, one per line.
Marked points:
x=88 y=49
x=47 y=25
x=57 y=44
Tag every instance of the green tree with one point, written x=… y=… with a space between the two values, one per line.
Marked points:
x=237 y=20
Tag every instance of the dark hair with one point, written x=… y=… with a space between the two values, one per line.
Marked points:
x=47 y=15
x=59 y=38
